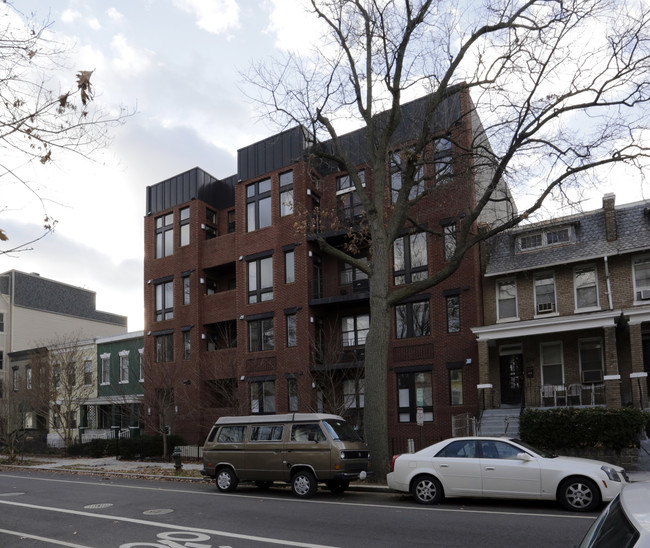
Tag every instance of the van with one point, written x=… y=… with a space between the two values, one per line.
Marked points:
x=301 y=449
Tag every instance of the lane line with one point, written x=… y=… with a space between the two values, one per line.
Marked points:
x=43 y=539
x=213 y=532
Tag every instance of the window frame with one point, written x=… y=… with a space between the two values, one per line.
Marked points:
x=262 y=391
x=287 y=207
x=164 y=300
x=184 y=227
x=499 y=285
x=256 y=334
x=164 y=347
x=105 y=369
x=358 y=331
x=291 y=329
x=410 y=258
x=541 y=300
x=453 y=315
x=407 y=325
x=592 y=285
x=258 y=205
x=639 y=282
x=543 y=366
x=164 y=245
x=599 y=346
x=124 y=367
x=407 y=395
x=258 y=275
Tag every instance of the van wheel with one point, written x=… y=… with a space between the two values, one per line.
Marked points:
x=263 y=484
x=337 y=487
x=226 y=480
x=303 y=484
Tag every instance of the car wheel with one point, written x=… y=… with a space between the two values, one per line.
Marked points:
x=226 y=480
x=427 y=490
x=263 y=484
x=579 y=494
x=337 y=487
x=303 y=484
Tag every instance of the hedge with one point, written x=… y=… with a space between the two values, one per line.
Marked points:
x=576 y=428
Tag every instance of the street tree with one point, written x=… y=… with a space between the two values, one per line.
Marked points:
x=41 y=118
x=559 y=92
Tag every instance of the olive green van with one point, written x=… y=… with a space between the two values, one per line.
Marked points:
x=302 y=449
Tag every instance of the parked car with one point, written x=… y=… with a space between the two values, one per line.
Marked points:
x=503 y=468
x=625 y=522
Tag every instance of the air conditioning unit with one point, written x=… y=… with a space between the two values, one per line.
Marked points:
x=645 y=294
x=591 y=376
x=544 y=308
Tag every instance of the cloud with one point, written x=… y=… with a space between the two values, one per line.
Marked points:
x=114 y=14
x=213 y=16
x=130 y=60
x=70 y=16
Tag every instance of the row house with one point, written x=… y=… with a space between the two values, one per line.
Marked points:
x=245 y=315
x=567 y=311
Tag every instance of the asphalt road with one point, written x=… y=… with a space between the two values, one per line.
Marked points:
x=48 y=509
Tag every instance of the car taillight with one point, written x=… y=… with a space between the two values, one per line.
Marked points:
x=392 y=463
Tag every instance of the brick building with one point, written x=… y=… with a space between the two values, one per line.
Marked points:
x=244 y=314
x=567 y=311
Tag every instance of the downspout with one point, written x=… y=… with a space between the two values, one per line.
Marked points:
x=609 y=283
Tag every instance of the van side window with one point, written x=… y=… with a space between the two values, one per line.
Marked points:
x=231 y=434
x=307 y=432
x=266 y=433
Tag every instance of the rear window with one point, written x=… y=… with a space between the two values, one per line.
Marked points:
x=611 y=529
x=231 y=434
x=266 y=433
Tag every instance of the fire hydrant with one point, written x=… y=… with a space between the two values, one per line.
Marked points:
x=176 y=455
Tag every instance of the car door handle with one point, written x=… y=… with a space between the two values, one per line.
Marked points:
x=444 y=466
x=490 y=468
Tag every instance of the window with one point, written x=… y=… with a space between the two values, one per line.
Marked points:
x=2 y=322
x=412 y=320
x=231 y=221
x=453 y=313
x=559 y=236
x=591 y=360
x=71 y=369
x=258 y=205
x=506 y=299
x=348 y=203
x=545 y=294
x=442 y=159
x=187 y=348
x=641 y=268
x=260 y=280
x=141 y=363
x=551 y=360
x=88 y=372
x=231 y=434
x=260 y=335
x=28 y=377
x=399 y=165
x=57 y=376
x=185 y=226
x=556 y=236
x=461 y=449
x=15 y=379
x=164 y=235
x=349 y=274
x=222 y=335
x=354 y=329
x=414 y=390
x=586 y=288
x=164 y=300
x=456 y=386
x=186 y=289
x=354 y=393
x=449 y=238
x=106 y=368
x=2 y=357
x=292 y=332
x=530 y=242
x=165 y=347
x=210 y=222
x=262 y=397
x=410 y=258
x=289 y=267
x=267 y=433
x=124 y=366
x=286 y=193
x=292 y=393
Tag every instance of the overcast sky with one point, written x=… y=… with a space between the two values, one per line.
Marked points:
x=179 y=62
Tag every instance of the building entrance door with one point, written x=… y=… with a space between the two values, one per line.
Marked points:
x=511 y=367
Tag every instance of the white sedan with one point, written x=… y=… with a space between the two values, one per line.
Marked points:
x=503 y=468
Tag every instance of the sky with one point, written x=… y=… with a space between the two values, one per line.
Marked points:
x=179 y=65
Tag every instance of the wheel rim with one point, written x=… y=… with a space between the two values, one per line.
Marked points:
x=223 y=480
x=425 y=490
x=301 y=485
x=579 y=495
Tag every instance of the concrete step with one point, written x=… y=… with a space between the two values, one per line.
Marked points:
x=499 y=422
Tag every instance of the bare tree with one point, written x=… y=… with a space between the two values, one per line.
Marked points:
x=13 y=410
x=561 y=88
x=39 y=117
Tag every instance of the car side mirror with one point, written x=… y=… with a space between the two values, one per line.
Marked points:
x=524 y=456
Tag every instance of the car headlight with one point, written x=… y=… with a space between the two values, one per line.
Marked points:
x=612 y=474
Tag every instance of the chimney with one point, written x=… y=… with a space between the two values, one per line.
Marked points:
x=610 y=216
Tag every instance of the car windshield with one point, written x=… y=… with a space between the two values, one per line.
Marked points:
x=341 y=430
x=540 y=452
x=612 y=528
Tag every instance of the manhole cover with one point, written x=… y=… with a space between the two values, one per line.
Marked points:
x=157 y=512
x=98 y=506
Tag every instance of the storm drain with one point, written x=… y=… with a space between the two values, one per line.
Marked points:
x=98 y=506
x=157 y=512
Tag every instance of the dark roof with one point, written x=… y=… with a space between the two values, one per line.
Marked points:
x=32 y=291
x=633 y=235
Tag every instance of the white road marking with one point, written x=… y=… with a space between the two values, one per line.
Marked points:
x=43 y=539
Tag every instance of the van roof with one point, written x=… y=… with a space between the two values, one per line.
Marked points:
x=266 y=419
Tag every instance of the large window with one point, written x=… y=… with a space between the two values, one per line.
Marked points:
x=286 y=193
x=289 y=266
x=554 y=237
x=349 y=274
x=545 y=294
x=410 y=258
x=165 y=300
x=187 y=344
x=88 y=372
x=456 y=386
x=354 y=329
x=641 y=267
x=591 y=360
x=551 y=360
x=449 y=238
x=443 y=159
x=291 y=330
x=165 y=347
x=260 y=280
x=258 y=205
x=412 y=320
x=186 y=289
x=221 y=335
x=124 y=366
x=164 y=235
x=262 y=397
x=185 y=226
x=453 y=313
x=586 y=288
x=399 y=165
x=348 y=203
x=106 y=368
x=506 y=299
x=261 y=335
x=414 y=391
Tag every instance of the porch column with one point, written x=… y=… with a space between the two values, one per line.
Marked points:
x=486 y=395
x=639 y=396
x=612 y=387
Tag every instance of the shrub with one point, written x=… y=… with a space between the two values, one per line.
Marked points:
x=573 y=428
